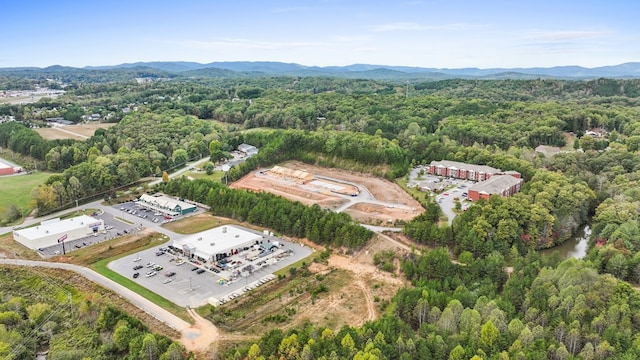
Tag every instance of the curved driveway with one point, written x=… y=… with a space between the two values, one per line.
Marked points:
x=364 y=196
x=142 y=303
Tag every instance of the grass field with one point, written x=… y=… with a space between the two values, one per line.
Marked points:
x=17 y=189
x=216 y=176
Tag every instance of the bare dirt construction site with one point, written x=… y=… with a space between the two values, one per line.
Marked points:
x=76 y=132
x=380 y=203
x=343 y=290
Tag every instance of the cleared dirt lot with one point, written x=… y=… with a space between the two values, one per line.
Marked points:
x=353 y=291
x=77 y=132
x=381 y=202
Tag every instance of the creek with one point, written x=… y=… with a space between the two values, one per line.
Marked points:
x=575 y=247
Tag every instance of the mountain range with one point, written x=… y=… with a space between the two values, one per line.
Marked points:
x=231 y=69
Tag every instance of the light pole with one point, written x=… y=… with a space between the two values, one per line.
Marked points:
x=77 y=206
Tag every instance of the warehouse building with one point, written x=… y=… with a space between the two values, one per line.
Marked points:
x=55 y=231
x=165 y=204
x=217 y=243
x=503 y=185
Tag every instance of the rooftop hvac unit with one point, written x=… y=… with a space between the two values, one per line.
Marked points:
x=224 y=229
x=199 y=239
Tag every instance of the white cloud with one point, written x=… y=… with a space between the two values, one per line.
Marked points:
x=396 y=26
x=365 y=49
x=566 y=35
x=353 y=38
x=409 y=26
x=245 y=44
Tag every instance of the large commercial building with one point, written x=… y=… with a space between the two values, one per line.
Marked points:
x=503 y=185
x=217 y=243
x=55 y=231
x=166 y=205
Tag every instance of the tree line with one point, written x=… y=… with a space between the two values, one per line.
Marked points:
x=268 y=210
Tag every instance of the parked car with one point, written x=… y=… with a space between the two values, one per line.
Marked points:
x=150 y=273
x=135 y=275
x=166 y=281
x=200 y=271
x=194 y=268
x=150 y=264
x=137 y=267
x=170 y=274
x=158 y=268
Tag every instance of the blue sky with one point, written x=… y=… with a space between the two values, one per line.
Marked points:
x=440 y=34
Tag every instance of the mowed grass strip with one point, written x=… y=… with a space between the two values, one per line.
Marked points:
x=197 y=223
x=16 y=189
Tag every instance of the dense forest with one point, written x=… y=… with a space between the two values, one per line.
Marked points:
x=541 y=308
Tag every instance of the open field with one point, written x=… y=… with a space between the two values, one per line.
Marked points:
x=381 y=203
x=76 y=132
x=16 y=189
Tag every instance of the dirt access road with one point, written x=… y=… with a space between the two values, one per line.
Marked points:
x=378 y=202
x=76 y=132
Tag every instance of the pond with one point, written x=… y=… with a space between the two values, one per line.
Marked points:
x=575 y=247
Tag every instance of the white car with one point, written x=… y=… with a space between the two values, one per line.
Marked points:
x=167 y=280
x=150 y=265
x=151 y=273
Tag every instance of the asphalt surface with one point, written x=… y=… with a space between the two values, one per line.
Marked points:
x=453 y=189
x=187 y=287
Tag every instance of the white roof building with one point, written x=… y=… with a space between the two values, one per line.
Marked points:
x=227 y=240
x=247 y=149
x=166 y=204
x=55 y=231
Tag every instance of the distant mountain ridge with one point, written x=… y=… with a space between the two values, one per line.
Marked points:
x=233 y=69
x=631 y=69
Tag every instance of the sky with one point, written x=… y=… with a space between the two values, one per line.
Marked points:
x=432 y=34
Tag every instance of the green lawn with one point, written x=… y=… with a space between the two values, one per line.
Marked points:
x=17 y=189
x=216 y=176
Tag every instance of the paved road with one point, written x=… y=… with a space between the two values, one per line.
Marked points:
x=147 y=306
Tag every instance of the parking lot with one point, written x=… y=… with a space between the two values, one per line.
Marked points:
x=193 y=284
x=113 y=228
x=451 y=189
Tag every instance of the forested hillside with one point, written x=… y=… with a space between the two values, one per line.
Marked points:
x=36 y=313
x=541 y=308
